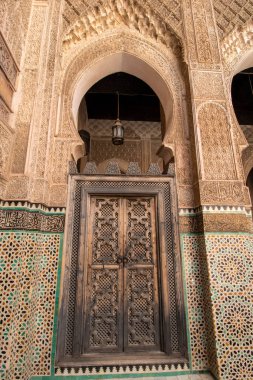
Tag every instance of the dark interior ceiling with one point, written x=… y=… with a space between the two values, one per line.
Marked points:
x=137 y=101
x=242 y=96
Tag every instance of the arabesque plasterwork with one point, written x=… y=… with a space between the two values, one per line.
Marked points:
x=124 y=14
x=116 y=41
x=95 y=9
x=49 y=47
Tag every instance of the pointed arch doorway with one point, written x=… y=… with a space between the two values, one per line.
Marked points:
x=122 y=302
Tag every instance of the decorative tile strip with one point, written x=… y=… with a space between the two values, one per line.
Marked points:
x=128 y=369
x=31 y=206
x=21 y=219
x=215 y=209
x=210 y=222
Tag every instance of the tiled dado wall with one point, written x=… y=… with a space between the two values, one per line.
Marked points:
x=218 y=266
x=30 y=246
x=30 y=257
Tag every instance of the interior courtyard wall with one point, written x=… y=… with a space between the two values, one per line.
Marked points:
x=31 y=234
x=12 y=47
x=59 y=172
x=220 y=193
x=209 y=258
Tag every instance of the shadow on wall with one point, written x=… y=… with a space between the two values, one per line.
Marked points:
x=249 y=183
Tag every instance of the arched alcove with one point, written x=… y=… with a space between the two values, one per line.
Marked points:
x=249 y=183
x=242 y=100
x=127 y=63
x=140 y=115
x=242 y=96
x=122 y=51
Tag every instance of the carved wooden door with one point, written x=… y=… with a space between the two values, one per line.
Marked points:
x=121 y=292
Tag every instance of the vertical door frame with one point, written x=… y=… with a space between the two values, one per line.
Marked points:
x=80 y=187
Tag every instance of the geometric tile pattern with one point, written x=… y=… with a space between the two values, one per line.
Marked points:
x=28 y=267
x=220 y=267
x=193 y=263
x=230 y=264
x=238 y=364
x=28 y=277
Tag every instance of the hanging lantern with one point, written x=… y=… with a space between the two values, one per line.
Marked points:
x=117 y=130
x=117 y=133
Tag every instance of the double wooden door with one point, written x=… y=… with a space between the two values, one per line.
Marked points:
x=121 y=295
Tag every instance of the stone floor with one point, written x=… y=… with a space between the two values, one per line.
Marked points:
x=175 y=377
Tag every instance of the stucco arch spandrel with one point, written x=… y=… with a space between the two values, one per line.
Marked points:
x=124 y=52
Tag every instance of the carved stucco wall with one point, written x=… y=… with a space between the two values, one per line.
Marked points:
x=14 y=19
x=168 y=11
x=206 y=60
x=45 y=138
x=15 y=13
x=82 y=27
x=231 y=15
x=152 y=54
x=39 y=55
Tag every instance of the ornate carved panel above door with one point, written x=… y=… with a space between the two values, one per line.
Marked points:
x=122 y=301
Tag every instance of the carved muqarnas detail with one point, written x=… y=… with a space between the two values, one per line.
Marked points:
x=117 y=13
x=229 y=14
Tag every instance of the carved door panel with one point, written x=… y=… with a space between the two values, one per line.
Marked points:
x=141 y=317
x=122 y=306
x=103 y=311
x=122 y=296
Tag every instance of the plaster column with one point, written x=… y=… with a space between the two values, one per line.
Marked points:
x=36 y=114
x=225 y=245
x=18 y=186
x=14 y=20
